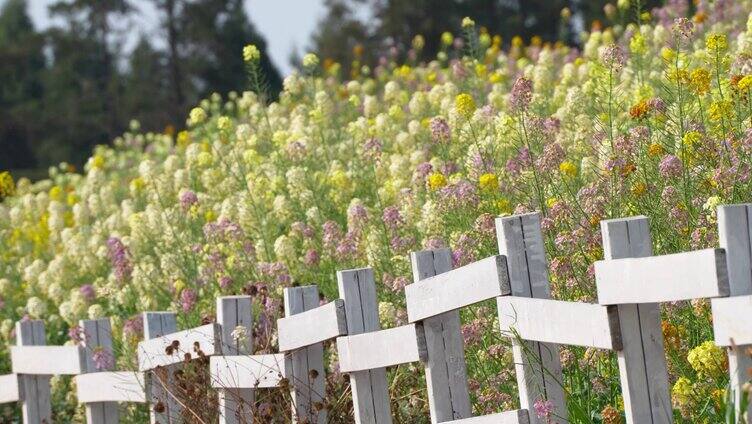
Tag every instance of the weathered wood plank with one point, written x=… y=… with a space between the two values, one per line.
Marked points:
x=38 y=360
x=35 y=389
x=9 y=388
x=153 y=353
x=518 y=416
x=730 y=323
x=575 y=323
x=642 y=359
x=455 y=289
x=308 y=388
x=537 y=365
x=446 y=373
x=312 y=326
x=735 y=236
x=384 y=348
x=357 y=288
x=159 y=384
x=97 y=340
x=111 y=386
x=249 y=372
x=235 y=318
x=667 y=278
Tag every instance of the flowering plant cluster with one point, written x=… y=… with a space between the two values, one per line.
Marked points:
x=651 y=118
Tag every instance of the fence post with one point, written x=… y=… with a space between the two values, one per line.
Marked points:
x=308 y=386
x=235 y=404
x=642 y=361
x=735 y=237
x=538 y=365
x=370 y=392
x=446 y=373
x=35 y=389
x=159 y=382
x=97 y=335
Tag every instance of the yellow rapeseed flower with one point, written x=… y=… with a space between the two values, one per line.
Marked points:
x=682 y=392
x=745 y=83
x=708 y=359
x=184 y=139
x=638 y=189
x=447 y=38
x=488 y=182
x=699 y=81
x=197 y=116
x=655 y=150
x=97 y=161
x=716 y=42
x=719 y=110
x=7 y=186
x=224 y=123
x=251 y=54
x=567 y=168
x=637 y=44
x=467 y=22
x=464 y=105
x=436 y=180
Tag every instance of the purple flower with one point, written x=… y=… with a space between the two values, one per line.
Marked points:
x=311 y=257
x=372 y=148
x=88 y=292
x=683 y=28
x=422 y=171
x=392 y=217
x=553 y=155
x=670 y=166
x=103 y=359
x=614 y=57
x=120 y=259
x=134 y=327
x=188 y=199
x=440 y=132
x=225 y=281
x=357 y=215
x=303 y=229
x=543 y=408
x=435 y=243
x=188 y=298
x=76 y=334
x=332 y=233
x=521 y=95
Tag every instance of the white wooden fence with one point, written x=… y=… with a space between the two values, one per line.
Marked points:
x=631 y=283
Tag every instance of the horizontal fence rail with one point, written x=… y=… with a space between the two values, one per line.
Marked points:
x=631 y=283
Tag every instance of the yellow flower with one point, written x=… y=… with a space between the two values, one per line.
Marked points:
x=610 y=415
x=419 y=42
x=467 y=22
x=745 y=83
x=691 y=138
x=184 y=138
x=56 y=193
x=682 y=391
x=639 y=189
x=708 y=360
x=464 y=105
x=719 y=110
x=447 y=38
x=568 y=168
x=436 y=180
x=205 y=159
x=716 y=41
x=655 y=150
x=97 y=161
x=310 y=61
x=251 y=53
x=7 y=186
x=210 y=216
x=197 y=116
x=503 y=206
x=488 y=182
x=637 y=44
x=224 y=123
x=699 y=81
x=339 y=179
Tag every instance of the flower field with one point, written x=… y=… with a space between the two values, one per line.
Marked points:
x=345 y=171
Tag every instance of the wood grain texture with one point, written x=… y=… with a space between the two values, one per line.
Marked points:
x=575 y=323
x=537 y=365
x=312 y=326
x=9 y=388
x=35 y=389
x=97 y=340
x=160 y=384
x=153 y=353
x=111 y=386
x=235 y=317
x=384 y=348
x=446 y=373
x=667 y=278
x=308 y=386
x=735 y=236
x=454 y=289
x=47 y=360
x=370 y=392
x=249 y=371
x=518 y=416
x=642 y=359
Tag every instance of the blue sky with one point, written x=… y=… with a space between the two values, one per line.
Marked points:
x=286 y=24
